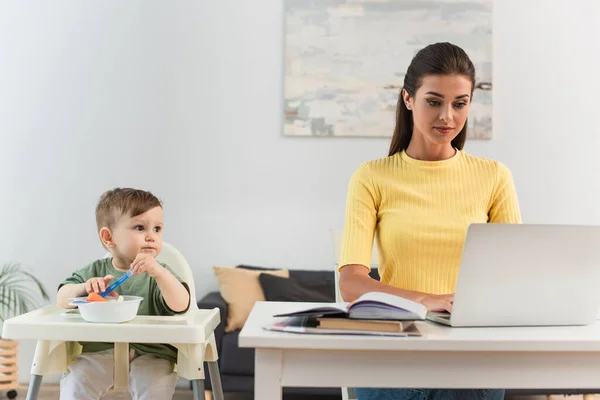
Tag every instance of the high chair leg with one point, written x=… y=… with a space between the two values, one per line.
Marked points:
x=215 y=380
x=198 y=388
x=34 y=387
x=121 y=369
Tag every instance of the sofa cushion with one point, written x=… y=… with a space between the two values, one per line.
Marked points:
x=254 y=268
x=308 y=274
x=235 y=360
x=313 y=277
x=240 y=289
x=294 y=289
x=323 y=279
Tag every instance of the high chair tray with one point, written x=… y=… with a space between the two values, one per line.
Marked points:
x=55 y=323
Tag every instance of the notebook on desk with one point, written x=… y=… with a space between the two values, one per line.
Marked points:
x=373 y=313
x=526 y=275
x=371 y=305
x=314 y=325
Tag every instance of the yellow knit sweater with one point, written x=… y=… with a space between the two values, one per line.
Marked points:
x=420 y=212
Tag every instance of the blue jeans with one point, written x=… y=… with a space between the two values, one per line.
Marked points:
x=429 y=394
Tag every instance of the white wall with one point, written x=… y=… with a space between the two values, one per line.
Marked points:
x=184 y=98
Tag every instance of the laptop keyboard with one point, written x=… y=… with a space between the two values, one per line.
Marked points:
x=443 y=315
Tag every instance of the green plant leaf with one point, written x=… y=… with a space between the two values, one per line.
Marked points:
x=20 y=291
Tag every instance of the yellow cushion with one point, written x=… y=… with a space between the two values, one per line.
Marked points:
x=241 y=289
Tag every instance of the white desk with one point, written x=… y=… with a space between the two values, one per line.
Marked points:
x=53 y=327
x=508 y=358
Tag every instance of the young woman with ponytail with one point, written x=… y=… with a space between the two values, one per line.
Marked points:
x=420 y=199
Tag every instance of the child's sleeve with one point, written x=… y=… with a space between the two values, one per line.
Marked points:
x=79 y=276
x=157 y=298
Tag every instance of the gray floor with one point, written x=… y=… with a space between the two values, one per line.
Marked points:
x=50 y=392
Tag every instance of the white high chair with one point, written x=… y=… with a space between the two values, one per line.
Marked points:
x=187 y=364
x=338 y=235
x=52 y=356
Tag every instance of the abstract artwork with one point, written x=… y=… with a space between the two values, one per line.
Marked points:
x=345 y=61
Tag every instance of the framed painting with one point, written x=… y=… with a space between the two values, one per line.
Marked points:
x=345 y=61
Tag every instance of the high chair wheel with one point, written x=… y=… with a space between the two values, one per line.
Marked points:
x=11 y=394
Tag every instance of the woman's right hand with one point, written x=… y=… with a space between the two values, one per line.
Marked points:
x=438 y=302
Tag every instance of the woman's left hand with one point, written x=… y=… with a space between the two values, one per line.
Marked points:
x=438 y=302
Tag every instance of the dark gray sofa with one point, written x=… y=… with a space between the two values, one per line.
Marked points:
x=237 y=364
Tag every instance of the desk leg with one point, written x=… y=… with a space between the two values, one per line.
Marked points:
x=198 y=388
x=215 y=380
x=267 y=375
x=34 y=387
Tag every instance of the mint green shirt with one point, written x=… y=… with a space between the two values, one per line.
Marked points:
x=137 y=285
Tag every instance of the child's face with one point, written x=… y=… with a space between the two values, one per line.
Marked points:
x=139 y=234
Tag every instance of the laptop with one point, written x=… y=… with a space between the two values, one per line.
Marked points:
x=526 y=275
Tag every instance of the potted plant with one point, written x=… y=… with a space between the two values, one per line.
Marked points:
x=20 y=292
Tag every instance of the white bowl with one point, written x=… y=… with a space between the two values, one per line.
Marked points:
x=111 y=311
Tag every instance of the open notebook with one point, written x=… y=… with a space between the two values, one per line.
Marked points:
x=372 y=305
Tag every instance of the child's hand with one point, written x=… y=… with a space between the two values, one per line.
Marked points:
x=99 y=285
x=146 y=263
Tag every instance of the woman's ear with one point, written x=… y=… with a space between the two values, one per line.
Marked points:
x=407 y=99
x=106 y=237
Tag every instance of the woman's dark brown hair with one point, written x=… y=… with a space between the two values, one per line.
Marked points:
x=435 y=59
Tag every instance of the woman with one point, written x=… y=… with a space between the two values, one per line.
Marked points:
x=420 y=200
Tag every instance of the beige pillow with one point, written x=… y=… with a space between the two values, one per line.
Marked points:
x=241 y=289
